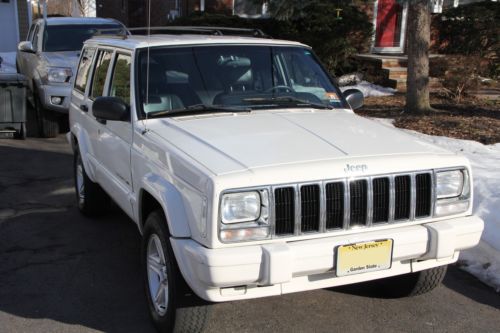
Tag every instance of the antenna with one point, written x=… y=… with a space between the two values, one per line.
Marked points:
x=147 y=65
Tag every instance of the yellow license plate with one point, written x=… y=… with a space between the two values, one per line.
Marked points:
x=364 y=257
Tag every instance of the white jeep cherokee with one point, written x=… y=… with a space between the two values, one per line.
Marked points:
x=248 y=174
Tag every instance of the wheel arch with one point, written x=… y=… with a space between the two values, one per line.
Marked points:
x=80 y=141
x=160 y=194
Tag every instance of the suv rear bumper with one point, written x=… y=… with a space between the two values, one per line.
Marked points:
x=278 y=268
x=46 y=93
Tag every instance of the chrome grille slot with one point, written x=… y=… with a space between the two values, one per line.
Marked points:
x=423 y=195
x=380 y=200
x=359 y=202
x=310 y=208
x=284 y=205
x=402 y=186
x=334 y=205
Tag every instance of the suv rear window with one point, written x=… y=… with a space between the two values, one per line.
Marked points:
x=57 y=38
x=101 y=70
x=84 y=69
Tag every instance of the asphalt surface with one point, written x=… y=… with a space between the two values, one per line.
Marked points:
x=61 y=272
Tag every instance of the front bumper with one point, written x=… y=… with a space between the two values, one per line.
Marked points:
x=278 y=268
x=48 y=91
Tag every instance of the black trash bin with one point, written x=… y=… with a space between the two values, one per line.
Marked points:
x=13 y=105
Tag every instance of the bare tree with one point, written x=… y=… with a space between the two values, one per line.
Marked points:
x=86 y=6
x=59 y=7
x=419 y=22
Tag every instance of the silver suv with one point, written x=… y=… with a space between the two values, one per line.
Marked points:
x=48 y=58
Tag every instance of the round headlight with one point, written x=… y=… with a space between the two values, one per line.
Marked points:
x=240 y=207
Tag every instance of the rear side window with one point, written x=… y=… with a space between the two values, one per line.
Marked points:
x=101 y=70
x=30 y=33
x=84 y=69
x=35 y=38
x=120 y=84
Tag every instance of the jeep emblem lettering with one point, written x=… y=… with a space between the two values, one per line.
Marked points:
x=355 y=168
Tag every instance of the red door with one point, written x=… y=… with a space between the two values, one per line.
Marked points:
x=388 y=25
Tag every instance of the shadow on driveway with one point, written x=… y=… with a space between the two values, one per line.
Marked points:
x=54 y=263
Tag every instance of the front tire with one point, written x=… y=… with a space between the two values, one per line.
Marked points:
x=91 y=198
x=414 y=284
x=172 y=304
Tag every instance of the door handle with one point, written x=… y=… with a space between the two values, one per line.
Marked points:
x=84 y=108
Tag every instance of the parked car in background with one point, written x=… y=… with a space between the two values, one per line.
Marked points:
x=48 y=59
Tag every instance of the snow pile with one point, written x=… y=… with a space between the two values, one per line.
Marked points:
x=8 y=64
x=370 y=89
x=482 y=261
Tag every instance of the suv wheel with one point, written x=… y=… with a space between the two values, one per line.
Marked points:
x=91 y=198
x=414 y=284
x=47 y=121
x=172 y=304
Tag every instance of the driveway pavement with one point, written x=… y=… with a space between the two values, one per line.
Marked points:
x=61 y=272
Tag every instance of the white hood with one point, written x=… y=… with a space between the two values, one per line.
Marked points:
x=230 y=143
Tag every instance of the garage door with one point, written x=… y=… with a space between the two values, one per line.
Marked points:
x=8 y=26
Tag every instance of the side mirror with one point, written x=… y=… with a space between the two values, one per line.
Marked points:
x=354 y=97
x=26 y=47
x=110 y=108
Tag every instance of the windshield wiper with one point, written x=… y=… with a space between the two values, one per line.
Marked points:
x=195 y=109
x=287 y=101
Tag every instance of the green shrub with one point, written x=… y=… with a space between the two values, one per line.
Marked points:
x=470 y=30
x=335 y=41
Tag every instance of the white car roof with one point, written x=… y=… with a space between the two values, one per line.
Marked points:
x=79 y=20
x=133 y=42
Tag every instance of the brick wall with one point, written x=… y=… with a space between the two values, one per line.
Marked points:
x=133 y=13
x=23 y=19
x=219 y=6
x=117 y=9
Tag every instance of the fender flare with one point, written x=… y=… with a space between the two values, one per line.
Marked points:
x=171 y=202
x=81 y=141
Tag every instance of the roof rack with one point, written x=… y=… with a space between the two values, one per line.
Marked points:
x=120 y=33
x=203 y=30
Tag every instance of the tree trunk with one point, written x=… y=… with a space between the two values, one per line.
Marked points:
x=419 y=26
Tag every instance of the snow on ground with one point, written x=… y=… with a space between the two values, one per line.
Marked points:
x=482 y=261
x=370 y=89
x=9 y=62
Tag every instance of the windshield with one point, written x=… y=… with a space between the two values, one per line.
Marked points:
x=232 y=77
x=59 y=38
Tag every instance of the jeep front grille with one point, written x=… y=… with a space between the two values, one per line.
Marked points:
x=349 y=203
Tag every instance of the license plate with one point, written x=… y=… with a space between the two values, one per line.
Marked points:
x=364 y=257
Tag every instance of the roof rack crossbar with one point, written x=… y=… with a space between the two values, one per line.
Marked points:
x=219 y=31
x=121 y=33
